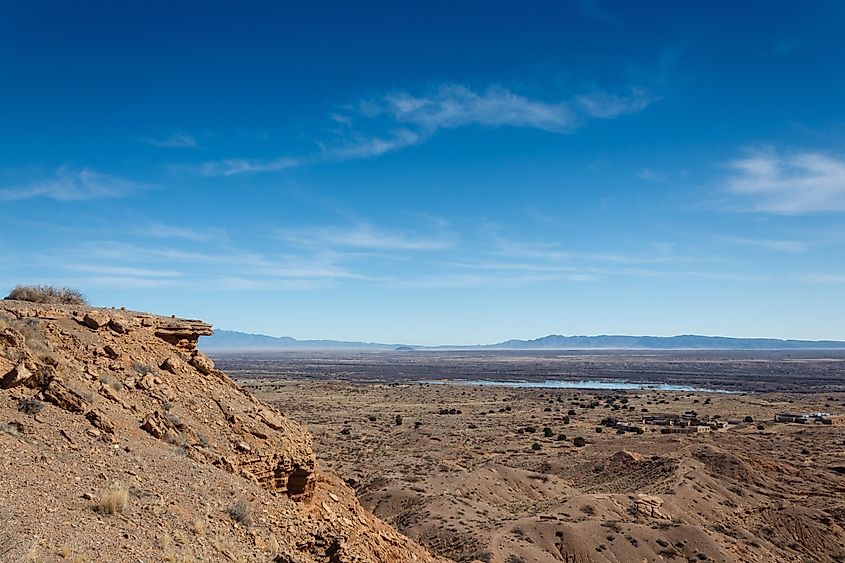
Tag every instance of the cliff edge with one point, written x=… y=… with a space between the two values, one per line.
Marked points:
x=123 y=442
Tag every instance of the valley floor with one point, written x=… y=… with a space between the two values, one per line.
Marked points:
x=494 y=474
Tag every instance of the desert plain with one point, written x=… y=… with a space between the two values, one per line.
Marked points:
x=514 y=474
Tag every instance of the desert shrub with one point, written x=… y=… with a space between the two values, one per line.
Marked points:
x=536 y=447
x=114 y=501
x=579 y=442
x=47 y=294
x=31 y=406
x=547 y=432
x=180 y=440
x=599 y=429
x=175 y=421
x=398 y=420
x=749 y=419
x=112 y=382
x=143 y=369
x=241 y=512
x=10 y=428
x=561 y=437
x=199 y=525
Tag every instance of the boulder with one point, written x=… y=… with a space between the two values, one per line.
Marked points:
x=175 y=366
x=98 y=420
x=64 y=397
x=95 y=319
x=12 y=338
x=202 y=362
x=111 y=352
x=15 y=377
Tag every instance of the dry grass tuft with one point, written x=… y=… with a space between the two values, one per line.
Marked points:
x=199 y=525
x=241 y=512
x=31 y=406
x=115 y=500
x=10 y=428
x=48 y=294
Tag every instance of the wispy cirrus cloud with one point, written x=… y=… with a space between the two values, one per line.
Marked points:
x=362 y=146
x=455 y=105
x=175 y=140
x=160 y=230
x=73 y=184
x=396 y=120
x=769 y=244
x=788 y=183
x=232 y=166
x=124 y=271
x=605 y=105
x=363 y=236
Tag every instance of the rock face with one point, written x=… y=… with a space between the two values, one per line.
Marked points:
x=133 y=382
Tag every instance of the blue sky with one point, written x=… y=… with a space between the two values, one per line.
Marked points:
x=432 y=172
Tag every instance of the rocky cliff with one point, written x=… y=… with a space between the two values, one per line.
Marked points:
x=99 y=406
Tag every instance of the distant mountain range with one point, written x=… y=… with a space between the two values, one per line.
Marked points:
x=234 y=340
x=230 y=340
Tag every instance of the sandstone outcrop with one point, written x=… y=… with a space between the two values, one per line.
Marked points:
x=107 y=386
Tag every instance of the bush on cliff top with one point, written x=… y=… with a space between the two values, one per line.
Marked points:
x=47 y=294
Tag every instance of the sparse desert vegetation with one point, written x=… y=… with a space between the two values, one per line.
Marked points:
x=47 y=294
x=114 y=500
x=125 y=444
x=241 y=511
x=518 y=466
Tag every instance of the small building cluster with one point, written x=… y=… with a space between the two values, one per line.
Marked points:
x=687 y=423
x=810 y=418
x=621 y=426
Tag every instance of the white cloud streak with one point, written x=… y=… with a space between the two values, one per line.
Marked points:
x=232 y=166
x=769 y=244
x=175 y=140
x=453 y=105
x=788 y=183
x=364 y=237
x=160 y=230
x=70 y=184
x=603 y=105
x=397 y=120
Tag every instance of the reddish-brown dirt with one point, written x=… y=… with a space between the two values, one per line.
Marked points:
x=479 y=484
x=121 y=442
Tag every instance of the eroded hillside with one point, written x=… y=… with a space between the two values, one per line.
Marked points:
x=510 y=475
x=122 y=442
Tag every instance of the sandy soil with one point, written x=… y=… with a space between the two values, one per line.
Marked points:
x=488 y=481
